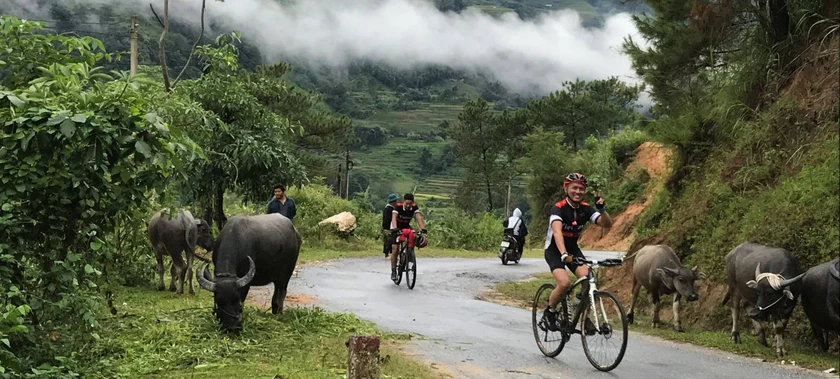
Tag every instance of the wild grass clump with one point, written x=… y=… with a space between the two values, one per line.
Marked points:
x=159 y=334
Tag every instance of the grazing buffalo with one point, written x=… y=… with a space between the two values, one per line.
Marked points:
x=762 y=276
x=820 y=291
x=658 y=269
x=250 y=251
x=173 y=235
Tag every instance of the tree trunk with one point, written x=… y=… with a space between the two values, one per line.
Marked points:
x=487 y=179
x=779 y=20
x=219 y=206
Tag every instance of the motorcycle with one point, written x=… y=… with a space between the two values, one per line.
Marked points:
x=509 y=250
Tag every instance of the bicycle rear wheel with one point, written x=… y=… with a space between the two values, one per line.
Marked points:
x=610 y=329
x=410 y=268
x=551 y=343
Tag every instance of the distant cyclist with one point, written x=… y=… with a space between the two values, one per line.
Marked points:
x=566 y=220
x=403 y=213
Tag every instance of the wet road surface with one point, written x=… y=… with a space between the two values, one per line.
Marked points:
x=478 y=339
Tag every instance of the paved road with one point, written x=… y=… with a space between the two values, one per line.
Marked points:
x=479 y=339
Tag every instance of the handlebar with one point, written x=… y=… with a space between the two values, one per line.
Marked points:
x=610 y=262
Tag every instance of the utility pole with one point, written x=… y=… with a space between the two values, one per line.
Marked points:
x=132 y=32
x=339 y=187
x=348 y=165
x=507 y=200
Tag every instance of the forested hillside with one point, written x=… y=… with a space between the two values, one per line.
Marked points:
x=401 y=118
x=749 y=100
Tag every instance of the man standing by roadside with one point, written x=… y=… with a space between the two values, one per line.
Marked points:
x=386 y=224
x=282 y=204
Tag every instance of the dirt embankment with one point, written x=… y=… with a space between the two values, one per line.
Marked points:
x=654 y=158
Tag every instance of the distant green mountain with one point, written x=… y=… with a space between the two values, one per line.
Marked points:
x=401 y=116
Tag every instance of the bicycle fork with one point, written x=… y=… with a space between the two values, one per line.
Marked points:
x=597 y=320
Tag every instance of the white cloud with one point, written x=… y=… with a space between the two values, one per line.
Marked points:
x=524 y=55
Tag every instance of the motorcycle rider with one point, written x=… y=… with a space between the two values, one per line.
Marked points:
x=515 y=226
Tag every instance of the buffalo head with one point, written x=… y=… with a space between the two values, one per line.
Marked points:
x=771 y=289
x=205 y=238
x=227 y=303
x=682 y=279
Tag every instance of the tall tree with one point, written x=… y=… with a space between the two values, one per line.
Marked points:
x=478 y=147
x=249 y=145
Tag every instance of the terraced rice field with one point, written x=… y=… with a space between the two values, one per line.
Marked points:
x=425 y=119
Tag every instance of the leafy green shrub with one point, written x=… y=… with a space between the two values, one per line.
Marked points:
x=623 y=145
x=631 y=189
x=456 y=229
x=316 y=203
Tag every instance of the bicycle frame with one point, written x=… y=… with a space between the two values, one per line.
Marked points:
x=589 y=300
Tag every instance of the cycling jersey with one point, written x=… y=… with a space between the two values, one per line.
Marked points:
x=404 y=216
x=573 y=220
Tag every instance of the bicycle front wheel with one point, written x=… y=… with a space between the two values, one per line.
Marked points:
x=605 y=338
x=550 y=342
x=410 y=268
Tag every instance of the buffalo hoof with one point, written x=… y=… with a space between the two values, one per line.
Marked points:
x=630 y=318
x=762 y=340
x=780 y=353
x=736 y=337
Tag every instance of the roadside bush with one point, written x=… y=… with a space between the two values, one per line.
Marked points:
x=623 y=145
x=316 y=203
x=456 y=229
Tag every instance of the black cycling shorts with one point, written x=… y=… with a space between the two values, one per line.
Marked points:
x=554 y=260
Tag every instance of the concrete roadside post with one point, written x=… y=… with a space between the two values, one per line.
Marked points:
x=363 y=357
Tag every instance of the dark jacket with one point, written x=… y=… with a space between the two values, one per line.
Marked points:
x=386 y=216
x=289 y=209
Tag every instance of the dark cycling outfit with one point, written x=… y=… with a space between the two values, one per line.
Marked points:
x=573 y=220
x=404 y=217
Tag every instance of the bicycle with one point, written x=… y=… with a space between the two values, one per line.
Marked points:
x=407 y=262
x=602 y=324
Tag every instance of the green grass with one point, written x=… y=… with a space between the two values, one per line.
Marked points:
x=160 y=334
x=521 y=293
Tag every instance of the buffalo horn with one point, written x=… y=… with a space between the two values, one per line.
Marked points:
x=832 y=269
x=203 y=278
x=241 y=282
x=788 y=282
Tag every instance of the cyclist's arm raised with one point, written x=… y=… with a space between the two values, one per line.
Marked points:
x=604 y=220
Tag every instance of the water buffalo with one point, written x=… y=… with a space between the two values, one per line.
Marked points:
x=757 y=274
x=173 y=235
x=250 y=251
x=820 y=291
x=658 y=269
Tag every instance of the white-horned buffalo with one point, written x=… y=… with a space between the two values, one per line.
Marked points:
x=762 y=276
x=820 y=291
x=659 y=270
x=173 y=235
x=250 y=251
